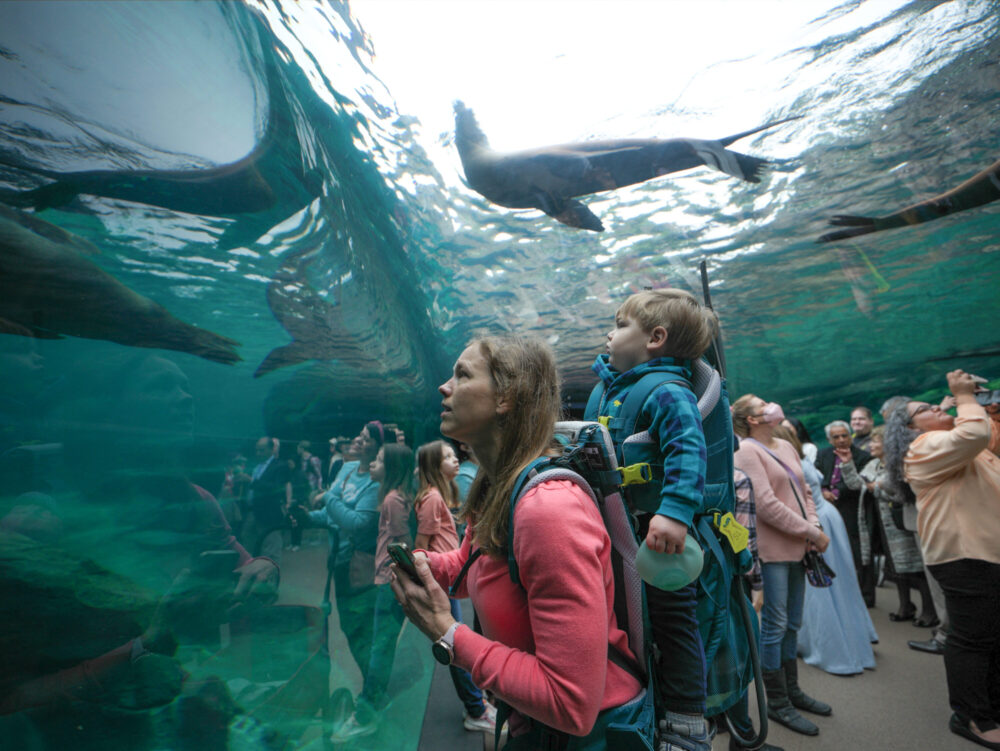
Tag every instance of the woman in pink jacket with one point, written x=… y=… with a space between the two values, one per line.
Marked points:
x=544 y=650
x=787 y=527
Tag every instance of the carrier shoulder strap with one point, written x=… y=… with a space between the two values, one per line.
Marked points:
x=545 y=469
x=593 y=408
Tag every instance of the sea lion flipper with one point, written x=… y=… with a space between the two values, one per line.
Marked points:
x=288 y=354
x=8 y=326
x=570 y=212
x=741 y=166
x=849 y=220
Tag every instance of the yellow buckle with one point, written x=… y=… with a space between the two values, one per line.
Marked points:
x=604 y=420
x=732 y=530
x=636 y=474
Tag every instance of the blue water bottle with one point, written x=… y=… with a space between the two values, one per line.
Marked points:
x=670 y=571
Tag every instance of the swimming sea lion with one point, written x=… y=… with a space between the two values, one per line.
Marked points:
x=270 y=183
x=48 y=289
x=981 y=189
x=549 y=178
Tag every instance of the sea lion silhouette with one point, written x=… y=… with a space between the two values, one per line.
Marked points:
x=48 y=288
x=981 y=189
x=262 y=189
x=550 y=178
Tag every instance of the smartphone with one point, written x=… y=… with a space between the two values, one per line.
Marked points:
x=217 y=565
x=403 y=557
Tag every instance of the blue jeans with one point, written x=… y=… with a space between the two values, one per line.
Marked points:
x=784 y=597
x=387 y=622
x=673 y=618
x=467 y=691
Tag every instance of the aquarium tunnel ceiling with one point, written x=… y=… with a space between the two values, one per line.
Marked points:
x=323 y=203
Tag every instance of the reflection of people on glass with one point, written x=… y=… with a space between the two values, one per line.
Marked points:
x=134 y=531
x=544 y=650
x=350 y=512
x=393 y=470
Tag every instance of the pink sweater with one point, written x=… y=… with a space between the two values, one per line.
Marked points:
x=545 y=645
x=782 y=531
x=434 y=519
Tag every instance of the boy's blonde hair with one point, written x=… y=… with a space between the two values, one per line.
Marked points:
x=690 y=326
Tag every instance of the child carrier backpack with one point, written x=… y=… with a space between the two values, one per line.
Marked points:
x=588 y=460
x=728 y=637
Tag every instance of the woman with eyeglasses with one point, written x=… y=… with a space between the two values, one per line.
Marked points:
x=953 y=467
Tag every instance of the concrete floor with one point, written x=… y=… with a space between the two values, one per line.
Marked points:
x=902 y=704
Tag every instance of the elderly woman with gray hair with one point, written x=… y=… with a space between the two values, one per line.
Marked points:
x=904 y=563
x=953 y=467
x=840 y=464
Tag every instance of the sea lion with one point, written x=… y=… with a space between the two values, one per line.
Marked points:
x=262 y=189
x=982 y=189
x=48 y=289
x=550 y=178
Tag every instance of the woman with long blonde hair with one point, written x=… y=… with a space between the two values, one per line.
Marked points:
x=544 y=650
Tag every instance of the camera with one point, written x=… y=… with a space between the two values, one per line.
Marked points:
x=988 y=397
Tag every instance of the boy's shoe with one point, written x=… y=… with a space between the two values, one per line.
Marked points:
x=485 y=723
x=670 y=740
x=352 y=729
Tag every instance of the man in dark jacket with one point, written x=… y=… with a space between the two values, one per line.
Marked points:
x=840 y=464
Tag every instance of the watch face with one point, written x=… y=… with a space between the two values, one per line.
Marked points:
x=441 y=653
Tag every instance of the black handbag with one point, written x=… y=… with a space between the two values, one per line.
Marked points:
x=818 y=571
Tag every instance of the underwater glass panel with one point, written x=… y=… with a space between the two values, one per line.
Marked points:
x=230 y=228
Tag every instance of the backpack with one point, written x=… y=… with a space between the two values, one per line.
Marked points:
x=722 y=596
x=588 y=460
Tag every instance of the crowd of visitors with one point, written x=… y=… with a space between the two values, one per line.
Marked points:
x=913 y=501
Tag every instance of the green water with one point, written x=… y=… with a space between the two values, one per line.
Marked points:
x=339 y=255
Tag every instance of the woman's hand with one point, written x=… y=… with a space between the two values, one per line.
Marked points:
x=258 y=580
x=828 y=495
x=822 y=543
x=426 y=604
x=961 y=383
x=844 y=454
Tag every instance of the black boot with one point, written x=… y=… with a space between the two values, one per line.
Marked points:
x=797 y=696
x=780 y=709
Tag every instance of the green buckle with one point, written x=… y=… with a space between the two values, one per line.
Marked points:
x=604 y=420
x=636 y=474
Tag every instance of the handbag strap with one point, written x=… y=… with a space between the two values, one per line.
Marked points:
x=793 y=478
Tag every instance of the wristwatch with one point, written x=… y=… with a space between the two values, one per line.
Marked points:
x=444 y=648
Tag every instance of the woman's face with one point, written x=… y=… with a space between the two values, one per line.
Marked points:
x=875 y=447
x=926 y=417
x=363 y=446
x=756 y=416
x=377 y=467
x=449 y=462
x=470 y=407
x=840 y=438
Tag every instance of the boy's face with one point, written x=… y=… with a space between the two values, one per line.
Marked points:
x=627 y=344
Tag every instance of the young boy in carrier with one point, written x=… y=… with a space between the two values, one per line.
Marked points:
x=664 y=331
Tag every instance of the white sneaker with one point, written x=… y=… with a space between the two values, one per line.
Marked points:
x=486 y=723
x=352 y=729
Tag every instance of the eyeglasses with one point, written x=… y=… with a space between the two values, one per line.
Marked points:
x=918 y=410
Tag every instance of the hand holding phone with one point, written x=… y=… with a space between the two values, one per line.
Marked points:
x=402 y=556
